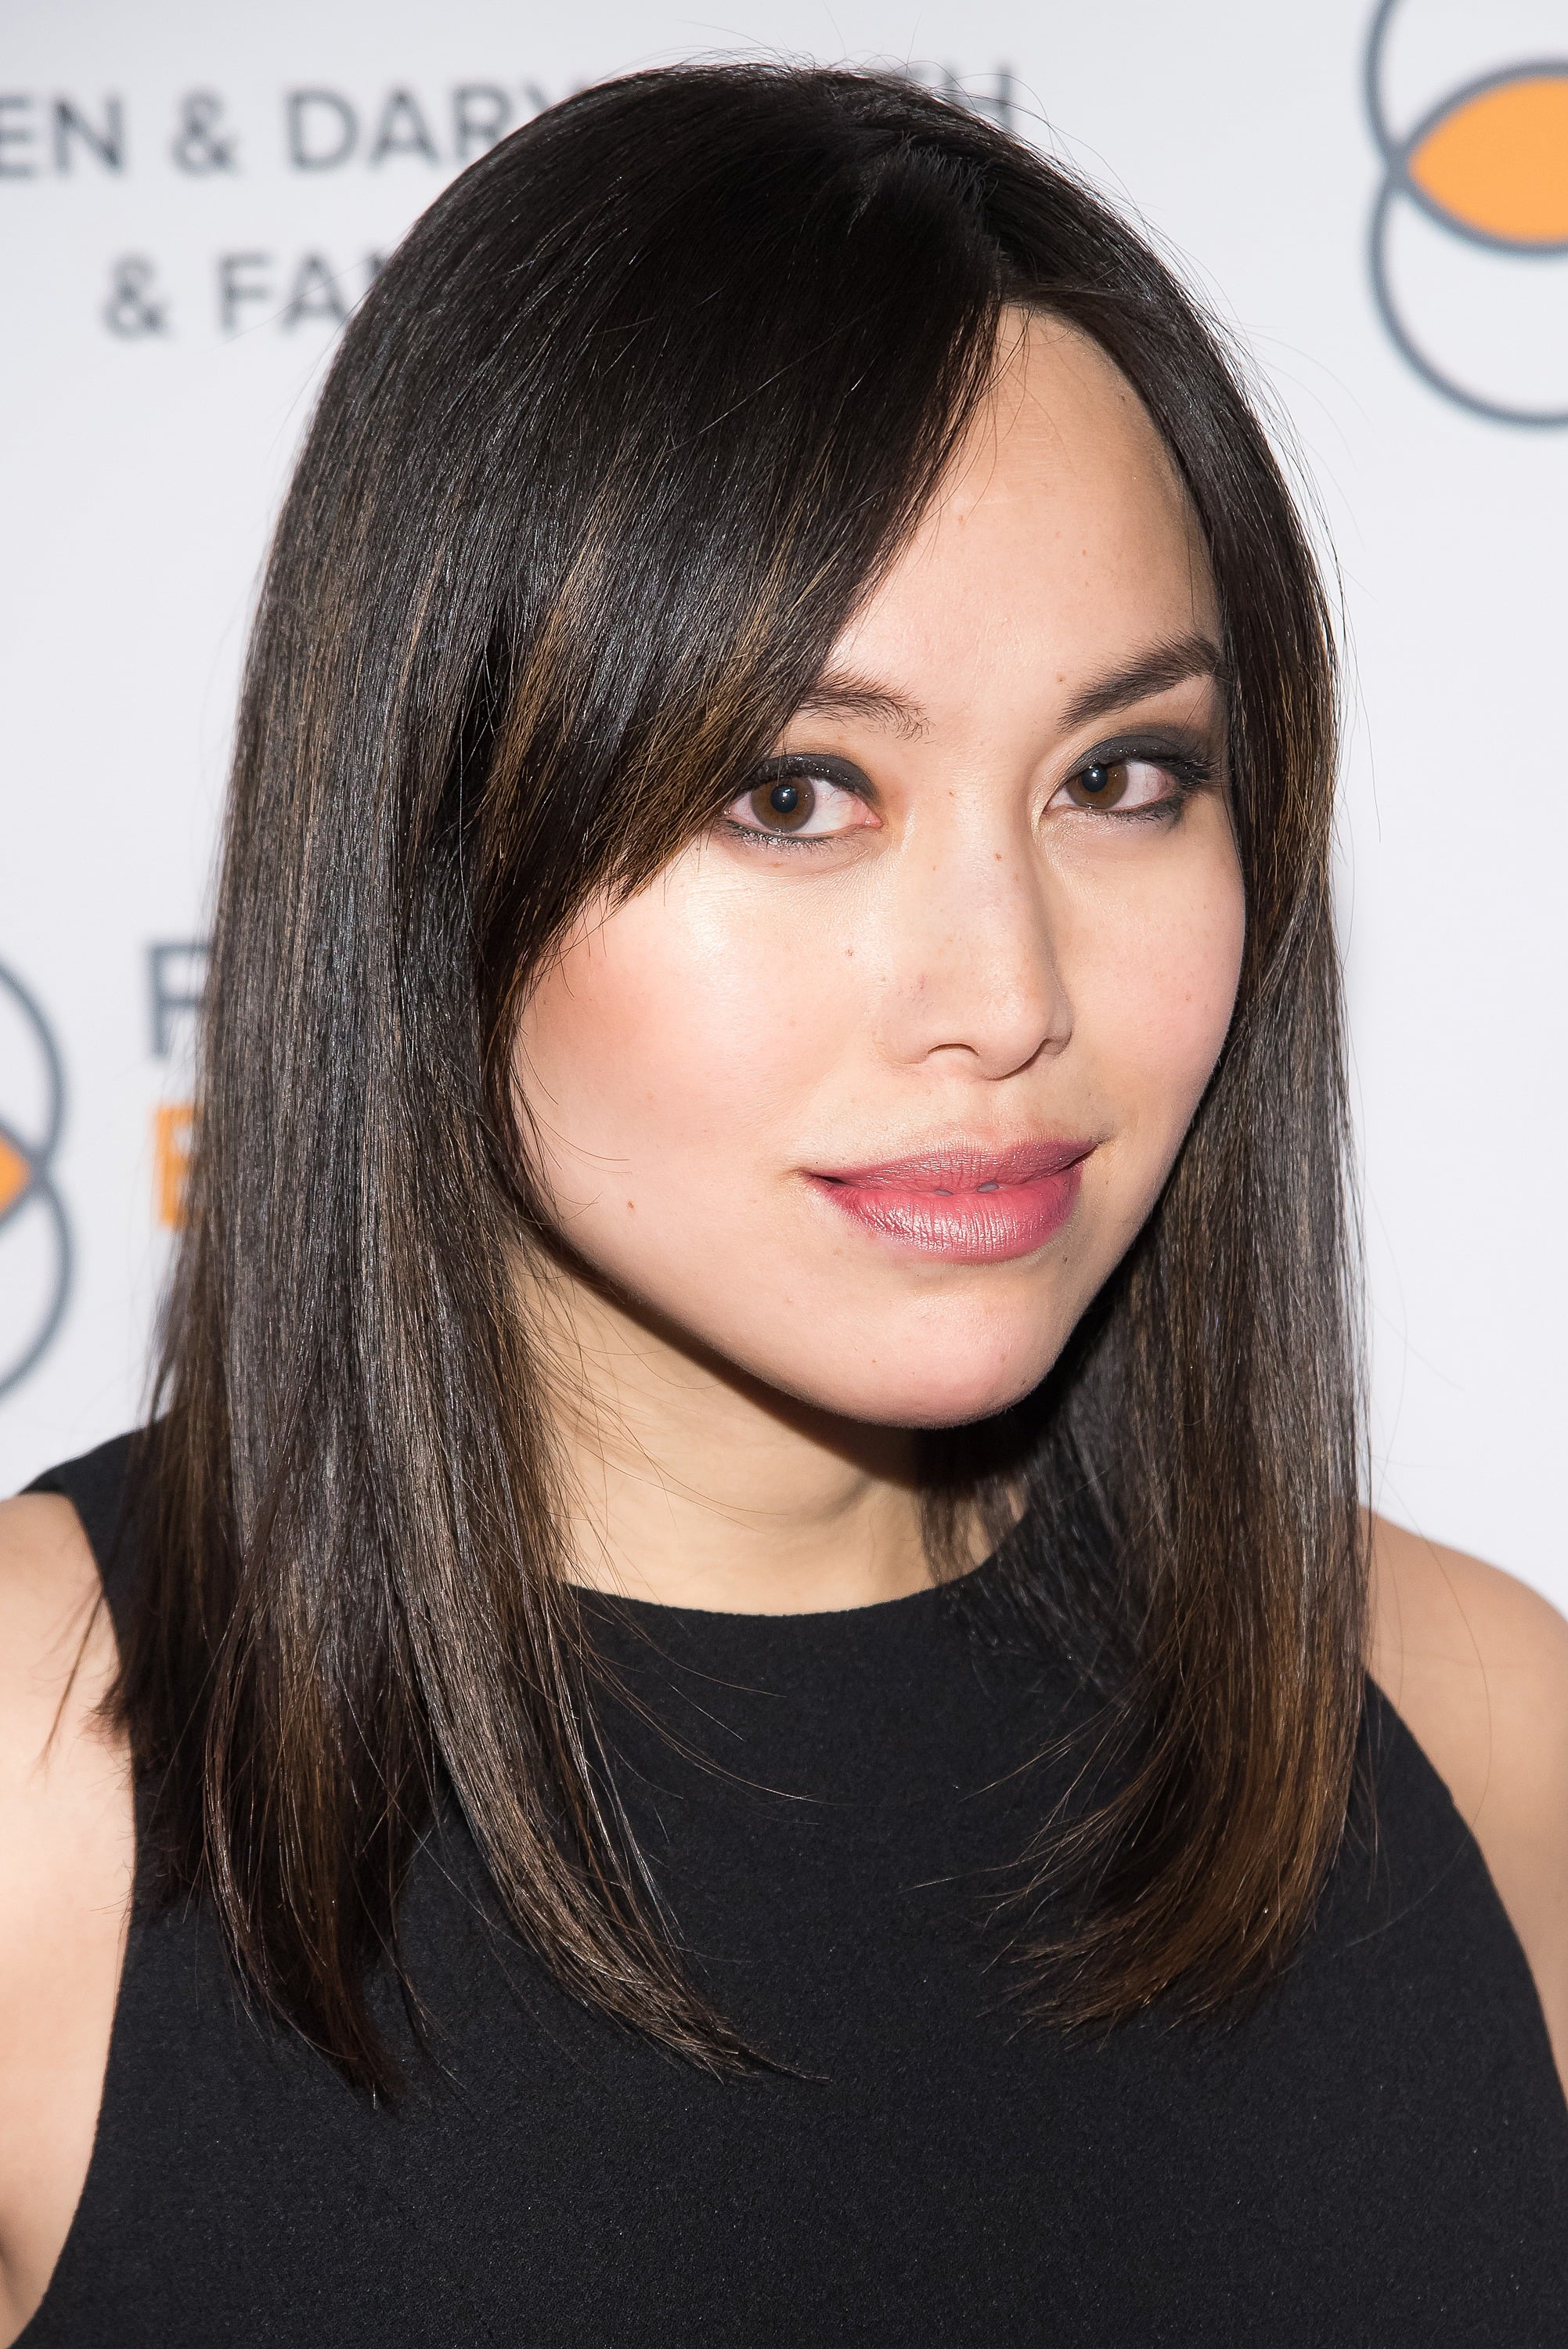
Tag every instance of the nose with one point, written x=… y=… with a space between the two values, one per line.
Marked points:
x=970 y=962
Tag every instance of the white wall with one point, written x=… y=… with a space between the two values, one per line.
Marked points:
x=138 y=469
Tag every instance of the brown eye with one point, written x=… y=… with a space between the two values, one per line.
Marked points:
x=783 y=806
x=1100 y=787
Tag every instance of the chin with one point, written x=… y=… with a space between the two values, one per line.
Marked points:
x=926 y=1387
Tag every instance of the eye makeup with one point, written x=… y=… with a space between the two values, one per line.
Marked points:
x=1135 y=777
x=1111 y=781
x=792 y=798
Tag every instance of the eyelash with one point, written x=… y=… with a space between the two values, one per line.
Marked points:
x=802 y=767
x=1188 y=770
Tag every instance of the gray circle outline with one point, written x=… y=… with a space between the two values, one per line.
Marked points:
x=41 y=1186
x=1396 y=182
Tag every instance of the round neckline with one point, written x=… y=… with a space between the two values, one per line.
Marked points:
x=654 y=1611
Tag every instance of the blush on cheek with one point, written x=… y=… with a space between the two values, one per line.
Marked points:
x=1195 y=944
x=1186 y=1015
x=658 y=1051
x=1165 y=1011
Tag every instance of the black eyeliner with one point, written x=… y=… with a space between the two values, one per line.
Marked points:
x=1194 y=752
x=786 y=766
x=1189 y=759
x=841 y=772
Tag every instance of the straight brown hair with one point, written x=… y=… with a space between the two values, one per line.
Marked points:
x=626 y=430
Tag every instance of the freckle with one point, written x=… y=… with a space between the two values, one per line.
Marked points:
x=631 y=1207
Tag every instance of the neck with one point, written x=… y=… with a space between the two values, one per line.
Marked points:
x=695 y=1486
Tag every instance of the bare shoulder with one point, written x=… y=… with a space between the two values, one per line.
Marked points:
x=48 y=1594
x=1477 y=1664
x=66 y=1837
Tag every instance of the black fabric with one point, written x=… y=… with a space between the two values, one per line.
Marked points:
x=1378 y=2154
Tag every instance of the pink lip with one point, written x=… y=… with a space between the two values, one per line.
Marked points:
x=973 y=1205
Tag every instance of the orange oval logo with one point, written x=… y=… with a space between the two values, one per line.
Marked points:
x=1498 y=162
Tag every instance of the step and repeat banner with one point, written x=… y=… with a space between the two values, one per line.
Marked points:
x=1374 y=198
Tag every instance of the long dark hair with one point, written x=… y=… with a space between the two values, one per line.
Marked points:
x=624 y=430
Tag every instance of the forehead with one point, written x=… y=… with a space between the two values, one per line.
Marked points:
x=1061 y=535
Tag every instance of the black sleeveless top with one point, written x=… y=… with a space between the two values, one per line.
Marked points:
x=1377 y=2154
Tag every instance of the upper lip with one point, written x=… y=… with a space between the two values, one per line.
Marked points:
x=965 y=1167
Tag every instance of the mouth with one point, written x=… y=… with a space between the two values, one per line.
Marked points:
x=970 y=1206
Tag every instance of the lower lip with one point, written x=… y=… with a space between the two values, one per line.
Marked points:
x=968 y=1226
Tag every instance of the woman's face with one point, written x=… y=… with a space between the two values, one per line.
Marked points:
x=870 y=1091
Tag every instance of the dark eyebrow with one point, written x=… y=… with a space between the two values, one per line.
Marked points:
x=853 y=696
x=1154 y=671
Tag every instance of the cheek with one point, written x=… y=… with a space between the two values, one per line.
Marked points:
x=667 y=1036
x=1156 y=990
x=1180 y=1006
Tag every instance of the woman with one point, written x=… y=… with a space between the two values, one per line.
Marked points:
x=735 y=1676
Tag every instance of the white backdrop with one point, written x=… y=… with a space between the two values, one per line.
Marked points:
x=190 y=197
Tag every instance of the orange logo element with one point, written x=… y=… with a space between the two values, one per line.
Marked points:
x=1497 y=162
x=16 y=1174
x=171 y=1124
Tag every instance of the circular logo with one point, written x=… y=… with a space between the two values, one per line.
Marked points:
x=35 y=1237
x=1469 y=229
